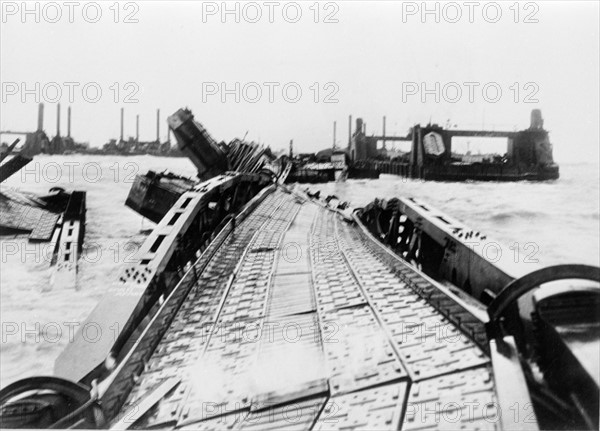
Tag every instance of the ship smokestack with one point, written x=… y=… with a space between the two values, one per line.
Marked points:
x=359 y=126
x=537 y=122
x=58 y=119
x=384 y=132
x=137 y=128
x=69 y=122
x=122 y=119
x=349 y=130
x=334 y=130
x=40 y=125
x=158 y=125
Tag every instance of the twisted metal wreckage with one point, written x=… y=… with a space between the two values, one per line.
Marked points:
x=57 y=218
x=397 y=321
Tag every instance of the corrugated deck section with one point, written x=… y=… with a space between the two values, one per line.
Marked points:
x=300 y=321
x=23 y=217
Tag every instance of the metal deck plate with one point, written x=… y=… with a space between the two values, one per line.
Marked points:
x=359 y=354
x=463 y=400
x=38 y=221
x=290 y=365
x=225 y=420
x=299 y=415
x=371 y=409
x=334 y=283
x=291 y=286
x=471 y=321
x=188 y=334
x=223 y=375
x=429 y=344
x=312 y=328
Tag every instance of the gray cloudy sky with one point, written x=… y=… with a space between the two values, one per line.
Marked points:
x=373 y=52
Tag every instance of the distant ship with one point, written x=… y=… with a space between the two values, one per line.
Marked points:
x=528 y=155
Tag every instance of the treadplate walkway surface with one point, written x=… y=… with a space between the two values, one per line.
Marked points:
x=299 y=321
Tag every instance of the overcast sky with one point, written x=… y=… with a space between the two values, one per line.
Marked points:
x=369 y=57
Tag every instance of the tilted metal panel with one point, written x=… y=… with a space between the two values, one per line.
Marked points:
x=119 y=307
x=14 y=215
x=465 y=249
x=45 y=227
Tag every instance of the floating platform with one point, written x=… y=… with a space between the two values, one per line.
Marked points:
x=311 y=322
x=528 y=156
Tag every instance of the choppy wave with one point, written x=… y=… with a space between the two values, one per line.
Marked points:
x=507 y=216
